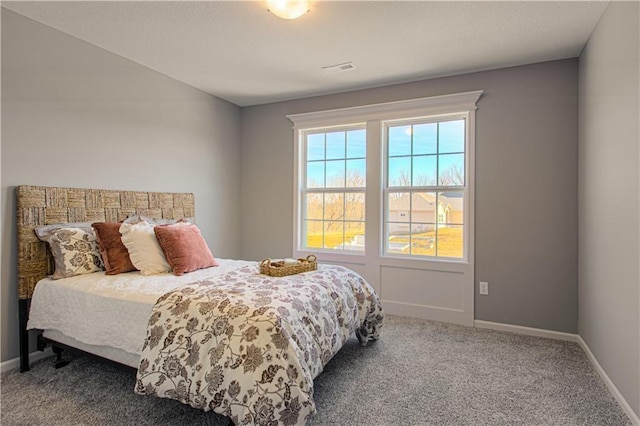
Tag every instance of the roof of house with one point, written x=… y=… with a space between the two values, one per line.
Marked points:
x=425 y=201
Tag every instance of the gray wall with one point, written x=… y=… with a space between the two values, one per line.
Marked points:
x=609 y=188
x=526 y=185
x=75 y=115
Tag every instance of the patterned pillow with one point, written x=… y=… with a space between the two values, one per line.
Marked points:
x=75 y=252
x=44 y=232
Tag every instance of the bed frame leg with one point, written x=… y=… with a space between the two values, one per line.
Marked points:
x=41 y=343
x=59 y=361
x=23 y=312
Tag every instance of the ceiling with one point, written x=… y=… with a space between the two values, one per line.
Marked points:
x=240 y=52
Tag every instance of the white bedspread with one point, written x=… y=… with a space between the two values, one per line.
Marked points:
x=109 y=310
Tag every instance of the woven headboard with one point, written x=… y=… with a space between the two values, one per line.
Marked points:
x=40 y=205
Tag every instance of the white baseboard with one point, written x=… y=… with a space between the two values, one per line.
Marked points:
x=614 y=390
x=33 y=357
x=529 y=331
x=432 y=313
x=538 y=332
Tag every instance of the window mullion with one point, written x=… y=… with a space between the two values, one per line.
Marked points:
x=336 y=189
x=427 y=188
x=437 y=163
x=325 y=169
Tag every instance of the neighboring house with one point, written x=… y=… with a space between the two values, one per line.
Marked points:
x=423 y=213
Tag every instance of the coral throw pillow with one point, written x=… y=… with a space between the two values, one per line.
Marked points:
x=184 y=247
x=114 y=253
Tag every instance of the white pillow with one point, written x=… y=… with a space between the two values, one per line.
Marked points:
x=144 y=250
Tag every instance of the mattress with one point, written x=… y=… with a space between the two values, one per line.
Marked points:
x=110 y=311
x=117 y=355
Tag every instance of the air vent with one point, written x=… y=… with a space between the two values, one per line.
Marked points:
x=333 y=69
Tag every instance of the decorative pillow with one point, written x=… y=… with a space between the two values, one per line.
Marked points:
x=114 y=254
x=137 y=218
x=75 y=252
x=184 y=247
x=144 y=251
x=44 y=232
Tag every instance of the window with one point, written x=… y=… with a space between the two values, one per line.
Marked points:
x=424 y=191
x=333 y=194
x=415 y=156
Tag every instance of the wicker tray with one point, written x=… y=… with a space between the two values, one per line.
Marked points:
x=278 y=269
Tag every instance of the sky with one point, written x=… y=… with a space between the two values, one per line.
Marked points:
x=435 y=145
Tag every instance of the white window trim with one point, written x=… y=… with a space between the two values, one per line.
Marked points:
x=440 y=289
x=373 y=117
x=300 y=182
x=420 y=107
x=466 y=188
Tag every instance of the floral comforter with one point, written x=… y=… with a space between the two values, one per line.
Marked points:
x=248 y=346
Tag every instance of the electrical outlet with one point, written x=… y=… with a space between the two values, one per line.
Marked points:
x=484 y=287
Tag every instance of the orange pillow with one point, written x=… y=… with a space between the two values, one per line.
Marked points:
x=184 y=247
x=115 y=255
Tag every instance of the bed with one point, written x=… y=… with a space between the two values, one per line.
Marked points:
x=224 y=338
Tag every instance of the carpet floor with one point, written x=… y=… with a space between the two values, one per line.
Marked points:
x=419 y=373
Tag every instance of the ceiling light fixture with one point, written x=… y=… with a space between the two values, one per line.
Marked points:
x=288 y=9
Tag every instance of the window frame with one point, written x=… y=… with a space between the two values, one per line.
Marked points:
x=301 y=230
x=372 y=117
x=468 y=168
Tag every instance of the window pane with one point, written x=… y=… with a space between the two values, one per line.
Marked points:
x=314 y=233
x=356 y=173
x=355 y=228
x=451 y=208
x=399 y=209
x=398 y=238
x=451 y=169
x=334 y=235
x=333 y=207
x=451 y=136
x=450 y=241
x=314 y=206
x=400 y=171
x=424 y=170
x=315 y=174
x=354 y=236
x=315 y=147
x=423 y=239
x=356 y=144
x=335 y=145
x=425 y=139
x=335 y=174
x=354 y=206
x=399 y=140
x=423 y=207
